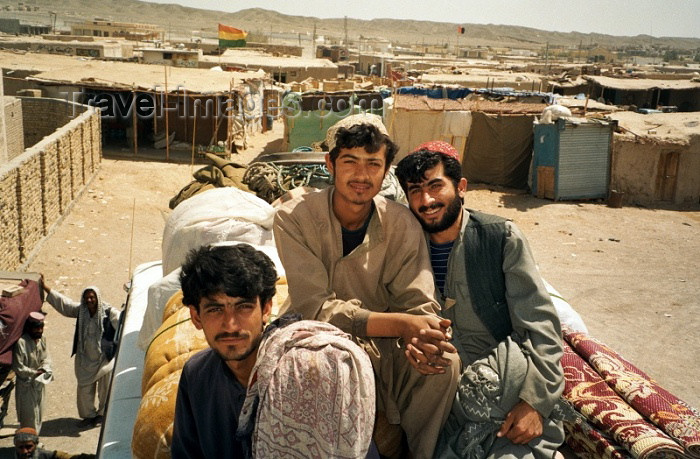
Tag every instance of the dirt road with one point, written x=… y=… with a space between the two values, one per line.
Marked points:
x=632 y=273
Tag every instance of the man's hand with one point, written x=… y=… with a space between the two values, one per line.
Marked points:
x=523 y=423
x=426 y=338
x=42 y=282
x=425 y=351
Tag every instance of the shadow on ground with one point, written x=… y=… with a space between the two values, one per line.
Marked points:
x=63 y=427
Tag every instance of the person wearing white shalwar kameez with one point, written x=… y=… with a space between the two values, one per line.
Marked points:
x=93 y=365
x=32 y=366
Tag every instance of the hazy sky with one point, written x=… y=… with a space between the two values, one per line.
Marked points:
x=677 y=18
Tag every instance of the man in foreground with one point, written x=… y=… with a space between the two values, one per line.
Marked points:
x=258 y=392
x=505 y=327
x=359 y=262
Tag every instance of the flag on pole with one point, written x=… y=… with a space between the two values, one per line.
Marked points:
x=230 y=37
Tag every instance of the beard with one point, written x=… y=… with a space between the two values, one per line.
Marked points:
x=229 y=354
x=452 y=212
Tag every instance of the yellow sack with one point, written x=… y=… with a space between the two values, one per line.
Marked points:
x=153 y=428
x=175 y=337
x=173 y=304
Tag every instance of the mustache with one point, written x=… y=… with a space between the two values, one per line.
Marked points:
x=224 y=335
x=430 y=207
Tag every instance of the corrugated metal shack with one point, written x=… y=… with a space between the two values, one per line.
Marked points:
x=572 y=159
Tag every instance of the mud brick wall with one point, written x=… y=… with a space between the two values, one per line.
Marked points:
x=51 y=191
x=38 y=187
x=95 y=127
x=30 y=203
x=65 y=182
x=13 y=127
x=75 y=136
x=9 y=223
x=43 y=116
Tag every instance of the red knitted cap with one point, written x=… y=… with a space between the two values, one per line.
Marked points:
x=438 y=146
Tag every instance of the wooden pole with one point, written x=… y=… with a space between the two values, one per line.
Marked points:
x=134 y=120
x=185 y=101
x=131 y=242
x=167 y=130
x=194 y=131
x=229 y=120
x=155 y=113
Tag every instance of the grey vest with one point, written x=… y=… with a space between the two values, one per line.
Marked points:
x=484 y=239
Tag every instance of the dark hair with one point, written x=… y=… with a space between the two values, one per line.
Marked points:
x=367 y=136
x=237 y=271
x=413 y=167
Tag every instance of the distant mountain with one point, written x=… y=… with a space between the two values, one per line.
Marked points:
x=180 y=21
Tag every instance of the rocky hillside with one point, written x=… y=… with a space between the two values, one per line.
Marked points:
x=181 y=21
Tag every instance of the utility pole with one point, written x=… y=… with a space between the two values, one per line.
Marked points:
x=580 y=49
x=347 y=53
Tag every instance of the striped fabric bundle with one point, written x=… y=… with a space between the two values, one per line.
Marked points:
x=647 y=397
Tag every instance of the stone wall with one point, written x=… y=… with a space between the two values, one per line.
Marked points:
x=13 y=127
x=38 y=187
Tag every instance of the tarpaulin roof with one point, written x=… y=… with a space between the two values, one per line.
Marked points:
x=436 y=93
x=257 y=60
x=77 y=71
x=411 y=102
x=520 y=80
x=671 y=127
x=642 y=84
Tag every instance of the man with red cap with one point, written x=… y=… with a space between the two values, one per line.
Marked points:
x=504 y=324
x=32 y=365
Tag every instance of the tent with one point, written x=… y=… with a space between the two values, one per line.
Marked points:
x=499 y=149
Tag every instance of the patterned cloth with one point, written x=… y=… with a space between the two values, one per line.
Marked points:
x=662 y=408
x=590 y=443
x=311 y=395
x=488 y=389
x=608 y=412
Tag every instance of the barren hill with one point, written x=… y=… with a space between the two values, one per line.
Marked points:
x=181 y=21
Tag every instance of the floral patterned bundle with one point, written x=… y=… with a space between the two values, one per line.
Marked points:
x=586 y=390
x=663 y=409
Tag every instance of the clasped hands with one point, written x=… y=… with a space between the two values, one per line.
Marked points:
x=427 y=339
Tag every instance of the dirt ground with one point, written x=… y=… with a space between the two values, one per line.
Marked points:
x=632 y=273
